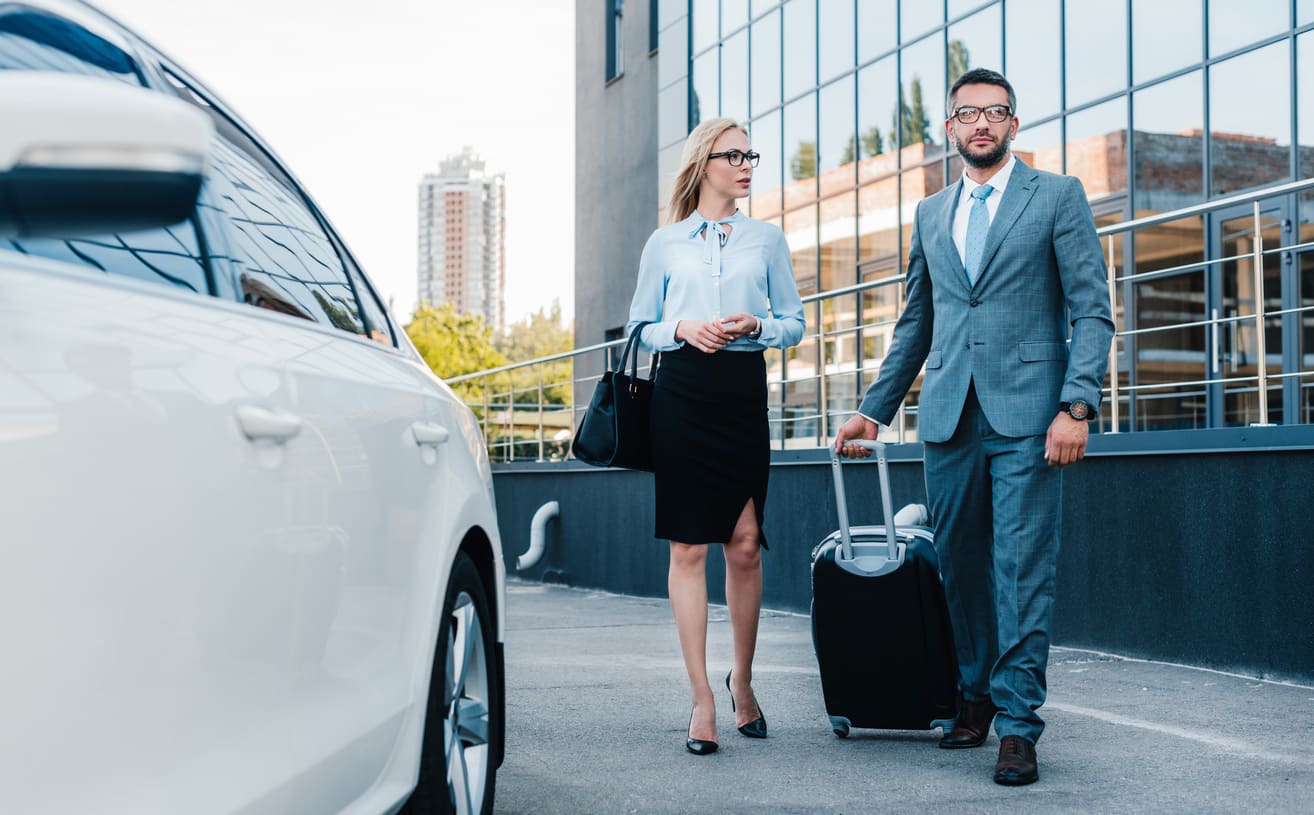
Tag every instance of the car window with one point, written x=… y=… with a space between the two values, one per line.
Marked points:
x=32 y=40
x=170 y=256
x=380 y=331
x=278 y=256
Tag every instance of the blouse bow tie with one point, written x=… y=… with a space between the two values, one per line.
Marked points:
x=712 y=250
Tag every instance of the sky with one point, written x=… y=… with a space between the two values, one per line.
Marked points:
x=360 y=100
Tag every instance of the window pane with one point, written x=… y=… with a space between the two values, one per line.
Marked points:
x=703 y=24
x=801 y=234
x=1238 y=339
x=1237 y=23
x=1172 y=355
x=1249 y=132
x=1097 y=148
x=800 y=46
x=1305 y=410
x=878 y=104
x=1033 y=56
x=836 y=29
x=876 y=28
x=672 y=114
x=282 y=260
x=1305 y=12
x=1096 y=40
x=919 y=17
x=838 y=143
x=1305 y=102
x=766 y=63
x=801 y=151
x=1169 y=137
x=380 y=331
x=1166 y=35
x=878 y=228
x=734 y=77
x=839 y=242
x=1039 y=147
x=921 y=119
x=957 y=7
x=765 y=133
x=672 y=55
x=734 y=13
x=705 y=103
x=914 y=185
x=975 y=43
x=169 y=256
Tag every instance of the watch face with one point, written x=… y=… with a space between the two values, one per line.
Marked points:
x=1079 y=410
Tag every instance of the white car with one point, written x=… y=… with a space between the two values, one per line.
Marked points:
x=250 y=559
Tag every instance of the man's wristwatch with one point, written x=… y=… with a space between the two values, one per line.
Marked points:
x=1078 y=410
x=756 y=332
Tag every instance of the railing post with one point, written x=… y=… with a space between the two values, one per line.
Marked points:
x=539 y=367
x=1260 y=350
x=1113 y=346
x=488 y=442
x=511 y=416
x=824 y=426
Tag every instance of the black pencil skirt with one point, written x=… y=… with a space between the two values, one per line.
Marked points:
x=711 y=443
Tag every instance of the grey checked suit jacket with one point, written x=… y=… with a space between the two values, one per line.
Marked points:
x=1042 y=269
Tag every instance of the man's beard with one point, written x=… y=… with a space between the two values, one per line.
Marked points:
x=986 y=160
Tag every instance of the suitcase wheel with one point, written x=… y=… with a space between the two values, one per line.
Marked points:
x=840 y=726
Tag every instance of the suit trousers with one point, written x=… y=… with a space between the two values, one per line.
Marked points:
x=996 y=504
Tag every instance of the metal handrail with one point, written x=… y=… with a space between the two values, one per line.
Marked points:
x=823 y=371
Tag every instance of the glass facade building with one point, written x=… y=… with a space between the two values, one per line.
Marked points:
x=1156 y=105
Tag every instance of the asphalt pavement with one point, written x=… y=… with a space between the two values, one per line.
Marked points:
x=597 y=707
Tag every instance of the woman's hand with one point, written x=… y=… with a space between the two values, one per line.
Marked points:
x=708 y=337
x=740 y=325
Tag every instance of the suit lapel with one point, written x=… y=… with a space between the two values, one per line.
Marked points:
x=945 y=240
x=1016 y=197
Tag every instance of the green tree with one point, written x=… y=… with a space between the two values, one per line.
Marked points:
x=872 y=145
x=910 y=120
x=960 y=61
x=803 y=164
x=540 y=334
x=454 y=344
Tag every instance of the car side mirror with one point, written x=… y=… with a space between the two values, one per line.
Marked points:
x=83 y=155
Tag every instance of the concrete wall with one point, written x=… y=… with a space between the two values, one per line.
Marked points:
x=1201 y=553
x=616 y=167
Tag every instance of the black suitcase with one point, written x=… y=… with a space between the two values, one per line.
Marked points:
x=880 y=627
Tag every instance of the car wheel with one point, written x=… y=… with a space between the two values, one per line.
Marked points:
x=457 y=771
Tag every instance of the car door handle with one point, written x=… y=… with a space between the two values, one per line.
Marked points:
x=262 y=423
x=429 y=433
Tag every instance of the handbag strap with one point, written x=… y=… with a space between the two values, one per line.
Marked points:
x=632 y=347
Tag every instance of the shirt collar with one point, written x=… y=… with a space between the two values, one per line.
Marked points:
x=997 y=182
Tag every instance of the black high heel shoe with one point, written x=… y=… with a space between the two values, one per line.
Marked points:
x=755 y=729
x=699 y=747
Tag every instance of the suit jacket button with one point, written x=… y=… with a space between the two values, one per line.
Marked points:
x=968 y=346
x=974 y=303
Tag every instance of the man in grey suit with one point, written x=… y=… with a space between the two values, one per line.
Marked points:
x=1000 y=264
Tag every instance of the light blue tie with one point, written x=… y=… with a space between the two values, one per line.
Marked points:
x=978 y=225
x=714 y=242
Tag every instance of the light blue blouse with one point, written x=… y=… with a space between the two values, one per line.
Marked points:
x=684 y=277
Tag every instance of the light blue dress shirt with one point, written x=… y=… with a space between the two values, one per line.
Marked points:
x=683 y=276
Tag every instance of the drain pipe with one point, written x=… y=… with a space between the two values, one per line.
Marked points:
x=537 y=536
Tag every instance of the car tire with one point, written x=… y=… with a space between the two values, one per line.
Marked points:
x=457 y=762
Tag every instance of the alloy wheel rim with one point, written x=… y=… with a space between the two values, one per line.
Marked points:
x=466 y=725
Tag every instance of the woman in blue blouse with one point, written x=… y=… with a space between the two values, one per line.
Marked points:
x=719 y=289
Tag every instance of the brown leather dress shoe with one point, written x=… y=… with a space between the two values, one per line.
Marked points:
x=972 y=725
x=1017 y=762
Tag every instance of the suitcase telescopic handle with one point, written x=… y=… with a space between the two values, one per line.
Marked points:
x=841 y=502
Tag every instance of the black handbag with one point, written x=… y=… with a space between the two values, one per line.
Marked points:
x=614 y=430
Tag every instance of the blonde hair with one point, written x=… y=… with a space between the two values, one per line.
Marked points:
x=688 y=181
